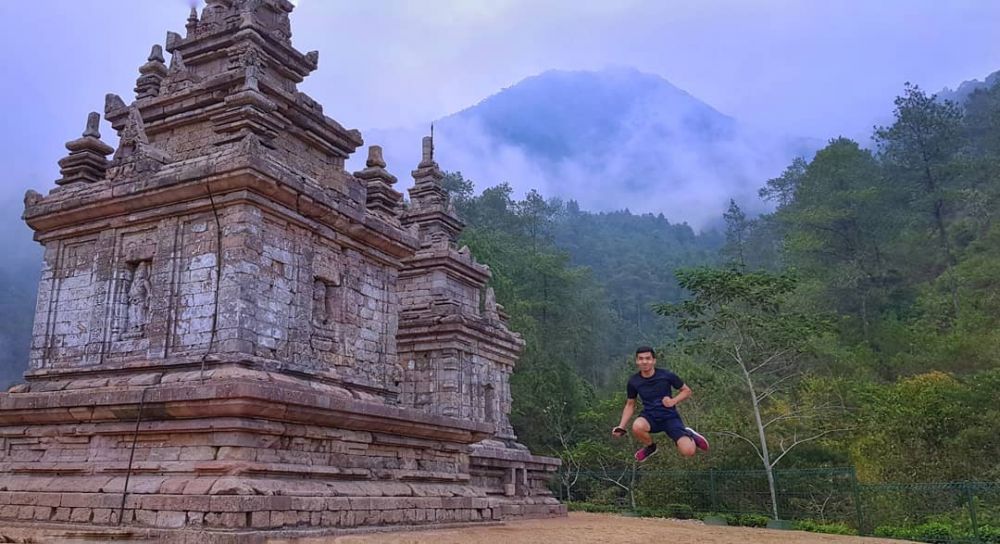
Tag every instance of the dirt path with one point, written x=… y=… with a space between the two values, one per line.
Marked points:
x=584 y=528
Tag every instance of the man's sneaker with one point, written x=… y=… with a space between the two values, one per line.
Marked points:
x=645 y=453
x=699 y=440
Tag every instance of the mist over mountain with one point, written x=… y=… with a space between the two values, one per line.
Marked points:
x=611 y=139
x=20 y=269
x=962 y=92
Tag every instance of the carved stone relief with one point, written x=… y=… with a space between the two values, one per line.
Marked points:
x=138 y=293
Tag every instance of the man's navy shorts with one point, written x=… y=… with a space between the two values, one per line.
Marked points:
x=672 y=425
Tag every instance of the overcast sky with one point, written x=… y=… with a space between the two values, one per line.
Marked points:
x=807 y=68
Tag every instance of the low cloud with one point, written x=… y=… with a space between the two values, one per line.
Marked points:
x=649 y=163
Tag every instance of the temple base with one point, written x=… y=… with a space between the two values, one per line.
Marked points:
x=239 y=453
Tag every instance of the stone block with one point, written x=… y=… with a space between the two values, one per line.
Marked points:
x=260 y=519
x=102 y=516
x=170 y=519
x=81 y=515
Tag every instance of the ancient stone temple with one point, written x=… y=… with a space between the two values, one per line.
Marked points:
x=236 y=337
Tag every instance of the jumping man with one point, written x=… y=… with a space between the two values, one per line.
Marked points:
x=653 y=386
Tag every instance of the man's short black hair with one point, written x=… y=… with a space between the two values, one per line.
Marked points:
x=645 y=349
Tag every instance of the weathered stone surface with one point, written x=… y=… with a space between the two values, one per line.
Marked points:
x=233 y=333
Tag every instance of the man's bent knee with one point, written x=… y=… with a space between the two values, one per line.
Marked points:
x=686 y=447
x=640 y=425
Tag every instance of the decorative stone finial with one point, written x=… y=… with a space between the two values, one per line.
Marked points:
x=112 y=103
x=93 y=125
x=375 y=157
x=176 y=62
x=381 y=198
x=32 y=197
x=430 y=209
x=134 y=153
x=87 y=160
x=490 y=310
x=173 y=40
x=428 y=151
x=156 y=53
x=151 y=74
x=133 y=136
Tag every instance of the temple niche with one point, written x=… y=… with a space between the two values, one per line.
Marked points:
x=235 y=335
x=137 y=299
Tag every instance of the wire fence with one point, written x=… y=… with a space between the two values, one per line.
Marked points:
x=825 y=500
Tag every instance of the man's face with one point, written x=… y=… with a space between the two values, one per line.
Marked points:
x=645 y=361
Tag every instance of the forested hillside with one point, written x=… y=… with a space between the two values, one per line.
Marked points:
x=863 y=311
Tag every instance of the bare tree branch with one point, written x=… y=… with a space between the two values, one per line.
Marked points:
x=802 y=441
x=743 y=438
x=769 y=359
x=773 y=388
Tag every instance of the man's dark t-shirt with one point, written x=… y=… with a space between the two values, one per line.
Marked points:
x=651 y=391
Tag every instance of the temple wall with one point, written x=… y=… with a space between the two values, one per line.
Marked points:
x=146 y=292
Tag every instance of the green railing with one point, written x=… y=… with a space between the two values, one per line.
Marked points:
x=818 y=499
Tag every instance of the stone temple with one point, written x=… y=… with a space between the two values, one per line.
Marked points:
x=236 y=338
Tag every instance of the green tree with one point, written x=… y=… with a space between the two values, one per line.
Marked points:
x=920 y=148
x=739 y=322
x=836 y=230
x=737 y=234
x=781 y=190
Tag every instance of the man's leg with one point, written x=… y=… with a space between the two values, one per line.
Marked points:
x=640 y=430
x=685 y=444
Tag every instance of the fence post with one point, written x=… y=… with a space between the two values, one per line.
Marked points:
x=971 y=497
x=856 y=492
x=712 y=491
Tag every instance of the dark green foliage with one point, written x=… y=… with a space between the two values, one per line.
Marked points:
x=989 y=534
x=747 y=520
x=876 y=275
x=546 y=258
x=577 y=506
x=820 y=527
x=933 y=532
x=672 y=511
x=634 y=258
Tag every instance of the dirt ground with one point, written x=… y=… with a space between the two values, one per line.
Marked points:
x=584 y=528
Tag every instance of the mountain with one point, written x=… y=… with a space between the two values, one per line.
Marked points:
x=611 y=139
x=20 y=270
x=966 y=88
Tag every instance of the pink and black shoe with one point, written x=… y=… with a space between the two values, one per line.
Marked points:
x=645 y=453
x=699 y=440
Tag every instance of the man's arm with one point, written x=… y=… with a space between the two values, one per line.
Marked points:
x=627 y=412
x=682 y=395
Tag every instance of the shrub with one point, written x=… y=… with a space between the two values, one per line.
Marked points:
x=590 y=507
x=680 y=511
x=829 y=528
x=889 y=531
x=676 y=511
x=934 y=532
x=747 y=520
x=989 y=534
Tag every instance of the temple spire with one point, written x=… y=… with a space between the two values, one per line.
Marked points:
x=381 y=198
x=431 y=209
x=87 y=160
x=192 y=20
x=151 y=74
